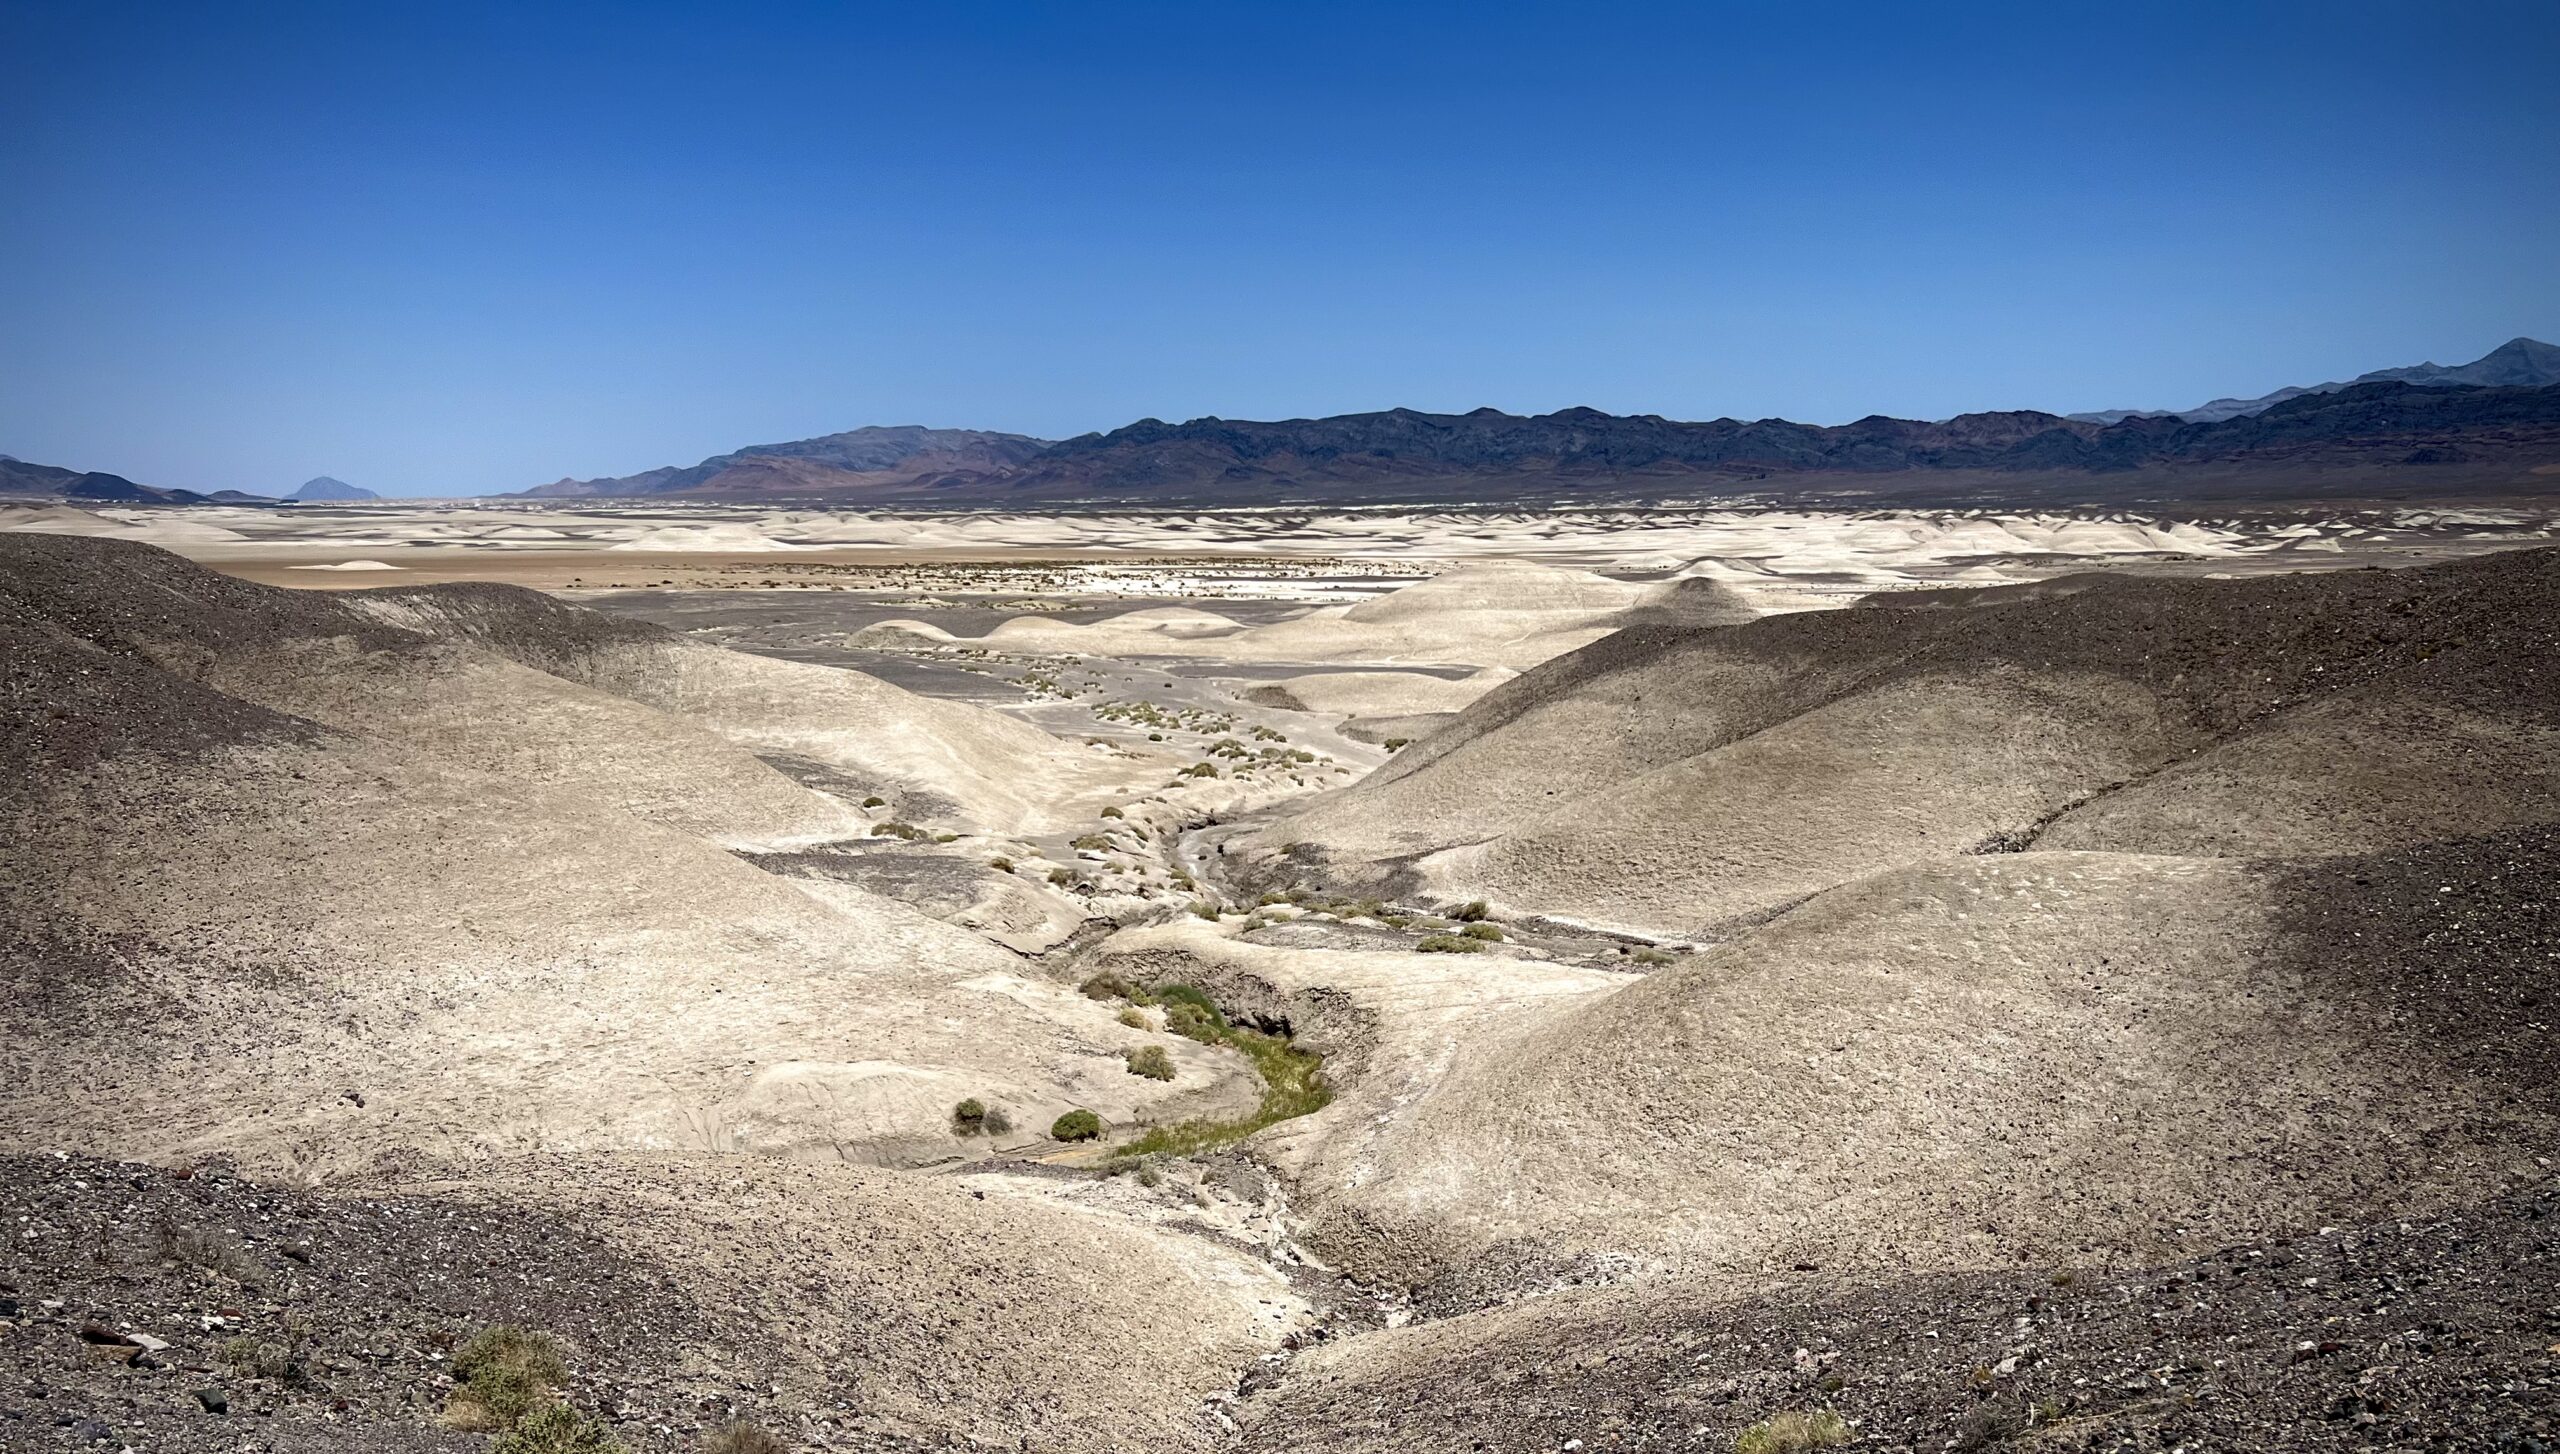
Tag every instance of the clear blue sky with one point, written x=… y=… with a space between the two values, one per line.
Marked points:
x=452 y=248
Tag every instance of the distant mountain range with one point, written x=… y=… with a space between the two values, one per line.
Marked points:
x=858 y=461
x=2484 y=424
x=2488 y=427
x=2517 y=363
x=22 y=480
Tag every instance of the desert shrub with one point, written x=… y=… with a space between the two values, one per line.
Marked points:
x=1793 y=1433
x=946 y=837
x=1276 y=897
x=1650 y=956
x=1489 y=933
x=743 y=1438
x=1203 y=909
x=1394 y=921
x=557 y=1429
x=1113 y=813
x=504 y=1347
x=215 y=1250
x=1092 y=843
x=875 y=802
x=1001 y=865
x=1076 y=1126
x=506 y=1375
x=1199 y=769
x=1395 y=744
x=1469 y=913
x=248 y=1357
x=969 y=1117
x=1061 y=877
x=1450 y=944
x=908 y=831
x=1107 y=986
x=1149 y=1061
x=1136 y=1019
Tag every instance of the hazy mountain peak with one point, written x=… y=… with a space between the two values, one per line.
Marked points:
x=323 y=487
x=2519 y=362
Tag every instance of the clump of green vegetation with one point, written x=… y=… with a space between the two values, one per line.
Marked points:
x=1471 y=912
x=1199 y=769
x=1000 y=864
x=1450 y=944
x=504 y=1376
x=875 y=802
x=1113 y=813
x=1650 y=956
x=1061 y=877
x=1203 y=909
x=1076 y=1126
x=557 y=1429
x=1489 y=933
x=1793 y=1433
x=1149 y=1061
x=1396 y=744
x=1228 y=747
x=1094 y=842
x=1265 y=734
x=1136 y=1019
x=1292 y=1079
x=743 y=1438
x=907 y=831
x=969 y=1118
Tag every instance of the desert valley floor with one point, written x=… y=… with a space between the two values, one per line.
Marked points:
x=1284 y=980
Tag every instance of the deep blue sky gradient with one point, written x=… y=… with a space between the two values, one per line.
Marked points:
x=455 y=248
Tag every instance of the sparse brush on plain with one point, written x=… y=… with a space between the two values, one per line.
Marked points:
x=743 y=1438
x=1450 y=944
x=1793 y=1433
x=1149 y=1061
x=1076 y=1126
x=557 y=1429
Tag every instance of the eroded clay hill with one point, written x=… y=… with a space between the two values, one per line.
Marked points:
x=1684 y=781
x=2101 y=928
x=290 y=883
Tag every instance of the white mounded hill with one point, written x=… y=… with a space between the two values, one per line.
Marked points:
x=938 y=762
